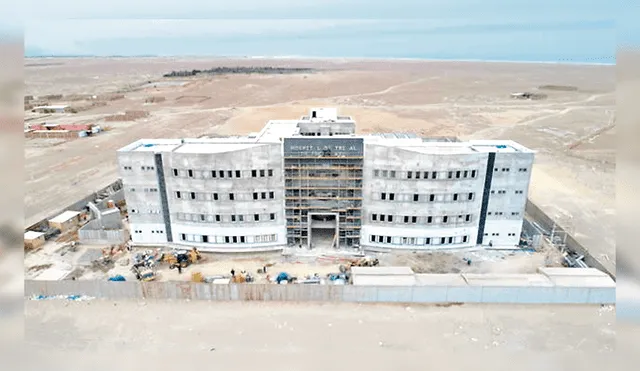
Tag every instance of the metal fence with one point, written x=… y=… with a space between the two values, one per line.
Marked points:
x=323 y=293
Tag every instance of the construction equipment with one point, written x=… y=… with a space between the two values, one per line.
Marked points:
x=143 y=273
x=182 y=258
x=362 y=262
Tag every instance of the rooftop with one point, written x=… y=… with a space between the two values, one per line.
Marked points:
x=382 y=271
x=65 y=216
x=32 y=235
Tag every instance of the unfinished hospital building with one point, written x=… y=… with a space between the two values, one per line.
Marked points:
x=314 y=182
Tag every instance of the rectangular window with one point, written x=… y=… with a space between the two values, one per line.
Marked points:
x=406 y=219
x=450 y=174
x=450 y=240
x=254 y=173
x=429 y=219
x=392 y=173
x=470 y=196
x=385 y=173
x=242 y=239
x=217 y=217
x=183 y=237
x=235 y=239
x=388 y=239
x=205 y=239
x=458 y=174
x=445 y=219
x=221 y=173
x=473 y=173
x=434 y=175
x=238 y=174
x=256 y=217
x=229 y=174
x=263 y=195
x=414 y=219
x=416 y=197
x=409 y=174
x=382 y=217
x=226 y=239
x=261 y=173
x=175 y=172
x=193 y=195
x=380 y=239
x=255 y=195
x=417 y=175
x=272 y=216
x=372 y=238
x=233 y=218
x=178 y=194
x=270 y=172
x=202 y=217
x=390 y=218
x=190 y=173
x=231 y=196
x=272 y=195
x=455 y=197
x=376 y=173
x=391 y=196
x=432 y=198
x=374 y=217
x=467 y=218
x=442 y=240
x=213 y=173
x=215 y=197
x=427 y=241
x=466 y=174
x=383 y=196
x=464 y=238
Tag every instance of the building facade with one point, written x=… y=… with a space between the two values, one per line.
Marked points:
x=314 y=183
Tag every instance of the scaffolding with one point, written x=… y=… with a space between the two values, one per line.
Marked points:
x=323 y=185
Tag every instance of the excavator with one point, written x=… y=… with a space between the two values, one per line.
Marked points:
x=182 y=258
x=365 y=261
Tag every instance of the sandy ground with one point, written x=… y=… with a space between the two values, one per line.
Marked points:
x=124 y=335
x=572 y=131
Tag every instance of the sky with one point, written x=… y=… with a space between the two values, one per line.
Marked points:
x=245 y=27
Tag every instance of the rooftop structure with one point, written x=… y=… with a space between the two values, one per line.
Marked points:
x=313 y=182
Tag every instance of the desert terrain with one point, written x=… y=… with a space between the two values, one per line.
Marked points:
x=128 y=335
x=572 y=129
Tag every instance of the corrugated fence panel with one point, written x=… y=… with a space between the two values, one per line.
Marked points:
x=323 y=293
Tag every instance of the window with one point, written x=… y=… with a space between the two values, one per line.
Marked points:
x=221 y=173
x=496 y=169
x=215 y=197
x=213 y=173
x=391 y=196
x=270 y=172
x=392 y=173
x=409 y=174
x=242 y=239
x=515 y=213
x=202 y=217
x=414 y=219
x=380 y=239
x=374 y=217
x=190 y=173
x=425 y=175
x=193 y=195
x=229 y=174
x=261 y=173
x=406 y=219
x=272 y=195
x=522 y=170
x=432 y=198
x=417 y=175
x=372 y=238
x=467 y=218
x=205 y=239
x=427 y=241
x=255 y=195
x=235 y=239
x=175 y=172
x=464 y=239
x=455 y=197
x=238 y=174
x=519 y=192
x=489 y=213
x=458 y=174
x=442 y=240
x=178 y=195
x=384 y=173
x=493 y=192
x=390 y=218
x=466 y=174
x=241 y=218
x=231 y=196
x=450 y=175
x=388 y=239
x=133 y=211
x=434 y=175
x=183 y=237
x=429 y=219
x=383 y=196
x=382 y=217
x=473 y=173
x=445 y=219
x=416 y=197
x=233 y=218
x=217 y=217
x=256 y=217
x=450 y=240
x=470 y=196
x=254 y=173
x=272 y=216
x=263 y=195
x=132 y=189
x=376 y=173
x=226 y=239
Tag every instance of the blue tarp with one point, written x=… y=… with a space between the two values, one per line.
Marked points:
x=117 y=278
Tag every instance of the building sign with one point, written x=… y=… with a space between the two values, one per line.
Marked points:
x=323 y=147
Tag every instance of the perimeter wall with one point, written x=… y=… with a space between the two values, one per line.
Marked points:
x=323 y=293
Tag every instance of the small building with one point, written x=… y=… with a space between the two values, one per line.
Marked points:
x=33 y=240
x=383 y=276
x=50 y=109
x=66 y=221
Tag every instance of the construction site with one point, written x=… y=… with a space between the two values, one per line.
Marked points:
x=384 y=100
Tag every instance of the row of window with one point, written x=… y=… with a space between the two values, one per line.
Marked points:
x=146 y=211
x=198 y=196
x=500 y=213
x=154 y=231
x=225 y=218
x=498 y=234
x=406 y=219
x=502 y=191
x=153 y=190
x=228 y=239
x=415 y=197
x=506 y=169
x=254 y=173
x=143 y=168
x=418 y=241
x=450 y=174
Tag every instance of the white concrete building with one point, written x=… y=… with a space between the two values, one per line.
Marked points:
x=313 y=183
